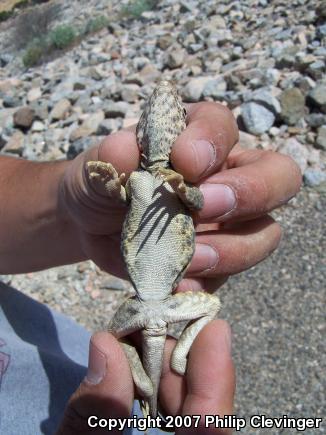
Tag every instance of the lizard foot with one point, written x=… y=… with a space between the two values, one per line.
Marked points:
x=198 y=307
x=191 y=196
x=172 y=177
x=105 y=179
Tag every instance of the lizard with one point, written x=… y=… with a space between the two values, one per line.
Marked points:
x=157 y=243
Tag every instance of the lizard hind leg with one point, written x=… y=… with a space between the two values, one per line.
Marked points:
x=201 y=308
x=143 y=383
x=130 y=318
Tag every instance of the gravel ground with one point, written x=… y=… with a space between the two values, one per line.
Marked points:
x=277 y=313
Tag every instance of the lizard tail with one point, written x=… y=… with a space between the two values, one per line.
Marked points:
x=153 y=347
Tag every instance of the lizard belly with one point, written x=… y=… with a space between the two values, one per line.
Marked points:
x=158 y=236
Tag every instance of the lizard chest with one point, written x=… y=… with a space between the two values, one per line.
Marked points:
x=158 y=235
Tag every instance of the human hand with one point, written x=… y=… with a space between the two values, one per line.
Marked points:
x=234 y=231
x=108 y=392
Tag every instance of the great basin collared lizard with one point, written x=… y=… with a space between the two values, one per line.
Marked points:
x=158 y=242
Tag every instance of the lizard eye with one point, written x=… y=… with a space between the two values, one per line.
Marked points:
x=184 y=112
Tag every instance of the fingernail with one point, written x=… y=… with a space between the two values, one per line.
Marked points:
x=219 y=200
x=96 y=365
x=205 y=155
x=205 y=258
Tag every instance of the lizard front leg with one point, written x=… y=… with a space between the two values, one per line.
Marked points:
x=191 y=196
x=200 y=307
x=106 y=180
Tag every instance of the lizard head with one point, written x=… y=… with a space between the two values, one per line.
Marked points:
x=159 y=126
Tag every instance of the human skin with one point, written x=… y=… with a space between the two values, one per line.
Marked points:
x=53 y=216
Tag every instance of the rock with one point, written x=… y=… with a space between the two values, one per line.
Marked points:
x=316 y=120
x=34 y=148
x=34 y=94
x=215 y=88
x=24 y=117
x=297 y=151
x=314 y=156
x=80 y=84
x=165 y=41
x=61 y=91
x=139 y=62
x=9 y=85
x=134 y=79
x=305 y=84
x=116 y=109
x=96 y=73
x=314 y=177
x=15 y=144
x=60 y=110
x=149 y=73
x=310 y=139
x=129 y=93
x=88 y=127
x=286 y=57
x=175 y=58
x=72 y=119
x=247 y=140
x=321 y=10
x=53 y=136
x=2 y=140
x=6 y=119
x=5 y=58
x=321 y=31
x=194 y=48
x=292 y=106
x=317 y=96
x=263 y=97
x=80 y=145
x=84 y=102
x=256 y=118
x=194 y=89
x=130 y=121
x=40 y=108
x=38 y=126
x=107 y=126
x=303 y=60
x=316 y=69
x=11 y=101
x=321 y=138
x=272 y=76
x=274 y=131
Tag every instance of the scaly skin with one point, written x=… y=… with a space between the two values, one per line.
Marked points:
x=158 y=242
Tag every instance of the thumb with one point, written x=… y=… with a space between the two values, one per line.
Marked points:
x=87 y=203
x=106 y=392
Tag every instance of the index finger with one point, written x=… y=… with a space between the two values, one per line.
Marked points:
x=204 y=145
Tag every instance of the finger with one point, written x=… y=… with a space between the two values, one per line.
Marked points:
x=120 y=149
x=210 y=377
x=226 y=252
x=172 y=390
x=107 y=390
x=206 y=142
x=90 y=208
x=105 y=253
x=257 y=182
x=199 y=284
